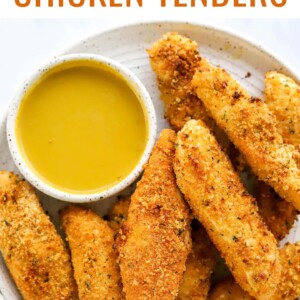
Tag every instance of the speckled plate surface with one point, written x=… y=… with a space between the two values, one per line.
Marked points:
x=128 y=46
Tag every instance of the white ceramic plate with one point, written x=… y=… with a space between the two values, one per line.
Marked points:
x=128 y=45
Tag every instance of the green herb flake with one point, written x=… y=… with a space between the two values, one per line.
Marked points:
x=7 y=223
x=235 y=239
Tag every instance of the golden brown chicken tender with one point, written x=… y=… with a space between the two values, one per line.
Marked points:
x=287 y=289
x=289 y=286
x=174 y=59
x=175 y=51
x=252 y=128
x=118 y=213
x=229 y=290
x=195 y=283
x=95 y=263
x=228 y=213
x=155 y=240
x=278 y=214
x=33 y=251
x=282 y=95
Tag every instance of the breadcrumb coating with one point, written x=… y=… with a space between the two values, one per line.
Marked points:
x=32 y=249
x=252 y=128
x=228 y=213
x=155 y=240
x=118 y=213
x=229 y=290
x=174 y=59
x=278 y=214
x=287 y=289
x=95 y=263
x=195 y=283
x=282 y=95
x=289 y=286
x=175 y=51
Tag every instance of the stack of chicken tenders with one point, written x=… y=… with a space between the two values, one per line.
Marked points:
x=189 y=211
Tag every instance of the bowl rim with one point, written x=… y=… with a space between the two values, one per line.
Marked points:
x=135 y=84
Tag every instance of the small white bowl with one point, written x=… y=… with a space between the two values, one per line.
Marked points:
x=26 y=171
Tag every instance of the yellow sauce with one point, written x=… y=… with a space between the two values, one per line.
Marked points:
x=81 y=128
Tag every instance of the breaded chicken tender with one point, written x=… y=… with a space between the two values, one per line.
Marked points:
x=229 y=290
x=174 y=59
x=33 y=251
x=282 y=95
x=155 y=240
x=288 y=288
x=252 y=128
x=278 y=214
x=228 y=213
x=195 y=283
x=118 y=213
x=95 y=263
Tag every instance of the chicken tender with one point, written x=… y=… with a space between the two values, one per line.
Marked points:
x=95 y=263
x=155 y=240
x=229 y=290
x=33 y=251
x=288 y=288
x=174 y=59
x=282 y=95
x=118 y=213
x=228 y=213
x=195 y=283
x=278 y=214
x=252 y=128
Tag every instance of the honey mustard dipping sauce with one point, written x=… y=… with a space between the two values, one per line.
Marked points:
x=81 y=128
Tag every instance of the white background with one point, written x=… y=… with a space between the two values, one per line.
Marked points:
x=25 y=44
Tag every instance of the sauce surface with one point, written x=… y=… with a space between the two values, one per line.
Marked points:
x=81 y=128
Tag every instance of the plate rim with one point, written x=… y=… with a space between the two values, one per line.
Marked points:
x=260 y=46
